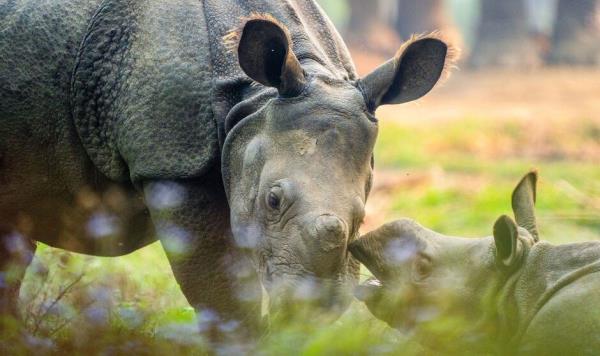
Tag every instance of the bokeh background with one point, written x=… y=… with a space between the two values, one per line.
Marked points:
x=525 y=94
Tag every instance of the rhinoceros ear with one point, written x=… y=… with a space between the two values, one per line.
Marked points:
x=523 y=203
x=506 y=238
x=265 y=55
x=412 y=73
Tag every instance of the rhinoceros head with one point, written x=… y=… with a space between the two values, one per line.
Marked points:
x=423 y=277
x=297 y=168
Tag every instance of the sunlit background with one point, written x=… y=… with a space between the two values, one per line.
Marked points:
x=525 y=94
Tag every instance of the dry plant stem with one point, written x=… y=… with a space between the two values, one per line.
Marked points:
x=60 y=295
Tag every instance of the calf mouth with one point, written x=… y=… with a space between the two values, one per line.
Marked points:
x=399 y=307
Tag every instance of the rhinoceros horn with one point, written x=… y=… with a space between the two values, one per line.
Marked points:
x=523 y=203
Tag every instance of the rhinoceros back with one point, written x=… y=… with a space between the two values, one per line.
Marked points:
x=142 y=91
x=40 y=152
x=134 y=89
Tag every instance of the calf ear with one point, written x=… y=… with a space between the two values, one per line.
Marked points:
x=523 y=203
x=265 y=55
x=506 y=238
x=412 y=73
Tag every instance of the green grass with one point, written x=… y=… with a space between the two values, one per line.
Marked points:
x=465 y=171
x=473 y=178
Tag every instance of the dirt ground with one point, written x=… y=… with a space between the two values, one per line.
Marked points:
x=551 y=93
x=541 y=93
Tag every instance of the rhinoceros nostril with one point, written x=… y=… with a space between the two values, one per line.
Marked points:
x=330 y=225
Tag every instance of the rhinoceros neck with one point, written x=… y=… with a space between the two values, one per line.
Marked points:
x=312 y=33
x=501 y=310
x=549 y=269
x=546 y=270
x=316 y=43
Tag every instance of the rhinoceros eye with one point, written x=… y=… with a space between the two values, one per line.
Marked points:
x=273 y=201
x=274 y=198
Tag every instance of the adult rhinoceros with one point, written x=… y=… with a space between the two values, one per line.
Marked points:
x=216 y=126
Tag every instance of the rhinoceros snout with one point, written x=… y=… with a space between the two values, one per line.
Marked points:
x=330 y=227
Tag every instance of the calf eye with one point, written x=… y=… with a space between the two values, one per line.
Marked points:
x=422 y=267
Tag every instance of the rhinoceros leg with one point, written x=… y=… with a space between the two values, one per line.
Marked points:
x=16 y=253
x=195 y=233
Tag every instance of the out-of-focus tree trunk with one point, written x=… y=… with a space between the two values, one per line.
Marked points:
x=576 y=36
x=363 y=14
x=419 y=16
x=369 y=33
x=416 y=17
x=503 y=38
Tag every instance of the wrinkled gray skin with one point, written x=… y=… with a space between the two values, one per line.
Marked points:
x=512 y=293
x=126 y=121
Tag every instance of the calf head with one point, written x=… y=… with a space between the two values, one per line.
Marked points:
x=436 y=285
x=297 y=166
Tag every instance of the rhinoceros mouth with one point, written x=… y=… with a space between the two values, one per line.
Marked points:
x=283 y=290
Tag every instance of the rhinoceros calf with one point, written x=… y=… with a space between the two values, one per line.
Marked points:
x=509 y=293
x=232 y=130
